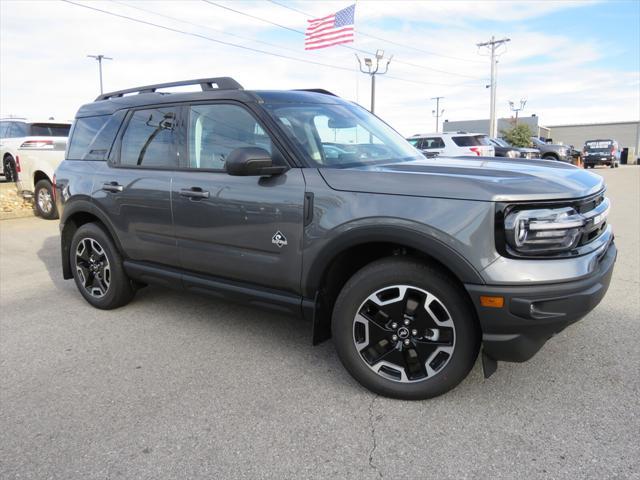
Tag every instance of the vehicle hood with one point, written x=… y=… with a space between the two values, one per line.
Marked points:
x=487 y=179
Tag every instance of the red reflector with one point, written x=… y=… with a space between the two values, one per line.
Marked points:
x=53 y=190
x=17 y=164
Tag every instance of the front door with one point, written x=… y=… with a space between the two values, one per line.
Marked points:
x=246 y=229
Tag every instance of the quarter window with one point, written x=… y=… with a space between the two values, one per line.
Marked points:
x=216 y=130
x=92 y=137
x=150 y=139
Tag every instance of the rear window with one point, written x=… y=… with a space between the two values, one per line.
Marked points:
x=471 y=140
x=598 y=144
x=49 y=130
x=92 y=137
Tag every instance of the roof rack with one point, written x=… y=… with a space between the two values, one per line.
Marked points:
x=221 y=83
x=316 y=90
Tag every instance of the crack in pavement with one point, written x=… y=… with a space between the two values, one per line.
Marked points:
x=372 y=431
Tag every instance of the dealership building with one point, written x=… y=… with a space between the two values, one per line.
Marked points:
x=626 y=133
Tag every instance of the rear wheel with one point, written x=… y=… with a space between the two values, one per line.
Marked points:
x=9 y=169
x=98 y=270
x=45 y=206
x=549 y=157
x=404 y=330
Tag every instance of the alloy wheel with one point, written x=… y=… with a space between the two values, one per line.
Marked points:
x=45 y=202
x=92 y=267
x=404 y=333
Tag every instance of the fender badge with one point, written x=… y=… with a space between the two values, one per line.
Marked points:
x=279 y=239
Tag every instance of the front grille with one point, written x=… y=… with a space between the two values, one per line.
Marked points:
x=596 y=209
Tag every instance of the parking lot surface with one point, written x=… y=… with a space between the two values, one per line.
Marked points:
x=180 y=386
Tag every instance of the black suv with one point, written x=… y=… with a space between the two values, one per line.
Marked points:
x=308 y=204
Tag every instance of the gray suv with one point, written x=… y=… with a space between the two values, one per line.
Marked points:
x=307 y=204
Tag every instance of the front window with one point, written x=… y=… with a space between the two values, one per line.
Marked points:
x=216 y=130
x=341 y=135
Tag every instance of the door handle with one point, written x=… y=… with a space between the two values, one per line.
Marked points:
x=112 y=187
x=194 y=192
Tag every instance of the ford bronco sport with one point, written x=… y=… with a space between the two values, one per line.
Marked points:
x=308 y=204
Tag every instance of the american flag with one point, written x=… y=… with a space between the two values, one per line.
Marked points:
x=331 y=30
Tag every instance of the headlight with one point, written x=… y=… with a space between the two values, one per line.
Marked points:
x=543 y=231
x=513 y=154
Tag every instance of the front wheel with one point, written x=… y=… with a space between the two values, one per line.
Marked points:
x=404 y=330
x=98 y=270
x=45 y=206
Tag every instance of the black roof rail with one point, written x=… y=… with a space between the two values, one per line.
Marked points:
x=316 y=90
x=222 y=83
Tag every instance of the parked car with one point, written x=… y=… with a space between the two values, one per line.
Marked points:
x=551 y=151
x=412 y=265
x=452 y=144
x=601 y=152
x=505 y=149
x=30 y=151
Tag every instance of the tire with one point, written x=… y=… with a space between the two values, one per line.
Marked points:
x=549 y=157
x=104 y=285
x=365 y=332
x=43 y=200
x=9 y=169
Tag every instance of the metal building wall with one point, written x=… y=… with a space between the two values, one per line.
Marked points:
x=626 y=133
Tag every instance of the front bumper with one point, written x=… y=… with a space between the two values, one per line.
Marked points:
x=534 y=313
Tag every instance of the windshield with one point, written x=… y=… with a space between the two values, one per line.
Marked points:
x=342 y=135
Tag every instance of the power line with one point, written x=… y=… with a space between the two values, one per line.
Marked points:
x=255 y=17
x=360 y=32
x=206 y=27
x=231 y=44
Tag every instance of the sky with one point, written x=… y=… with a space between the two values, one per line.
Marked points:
x=572 y=61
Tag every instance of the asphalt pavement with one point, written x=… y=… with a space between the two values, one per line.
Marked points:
x=180 y=386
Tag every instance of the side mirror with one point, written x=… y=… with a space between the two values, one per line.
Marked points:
x=251 y=161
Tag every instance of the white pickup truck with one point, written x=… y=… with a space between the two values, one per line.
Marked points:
x=30 y=152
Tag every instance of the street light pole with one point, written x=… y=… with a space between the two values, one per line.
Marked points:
x=492 y=45
x=516 y=109
x=372 y=72
x=99 y=58
x=437 y=112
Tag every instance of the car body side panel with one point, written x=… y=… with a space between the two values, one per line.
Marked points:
x=33 y=160
x=457 y=229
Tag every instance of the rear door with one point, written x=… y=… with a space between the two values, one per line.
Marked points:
x=240 y=228
x=133 y=189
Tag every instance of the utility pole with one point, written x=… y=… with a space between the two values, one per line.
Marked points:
x=516 y=109
x=372 y=72
x=492 y=46
x=437 y=112
x=99 y=58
